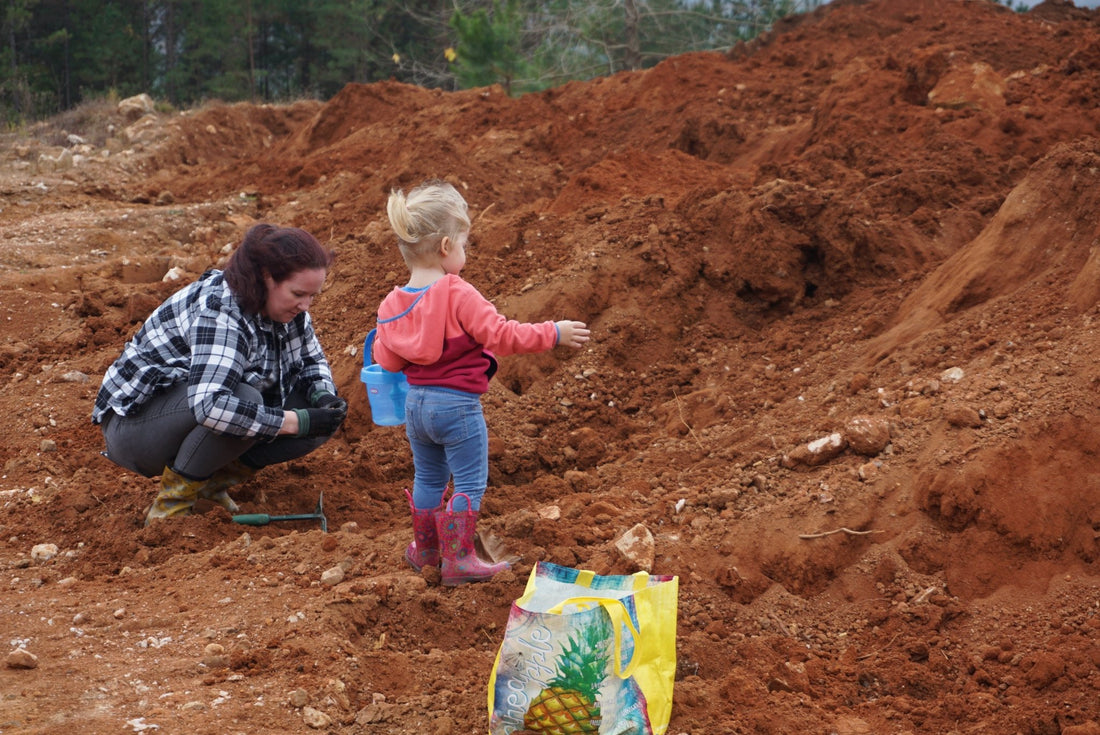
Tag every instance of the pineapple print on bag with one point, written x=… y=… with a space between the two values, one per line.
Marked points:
x=568 y=705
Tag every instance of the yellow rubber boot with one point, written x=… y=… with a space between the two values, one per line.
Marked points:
x=177 y=496
x=231 y=475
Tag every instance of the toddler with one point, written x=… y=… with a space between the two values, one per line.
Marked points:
x=444 y=335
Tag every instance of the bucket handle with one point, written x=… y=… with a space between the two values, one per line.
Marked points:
x=368 y=359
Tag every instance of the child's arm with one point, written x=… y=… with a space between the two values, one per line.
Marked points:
x=479 y=318
x=388 y=359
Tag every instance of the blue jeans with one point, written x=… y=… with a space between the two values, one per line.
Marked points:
x=448 y=436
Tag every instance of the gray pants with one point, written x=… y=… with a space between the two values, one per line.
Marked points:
x=164 y=433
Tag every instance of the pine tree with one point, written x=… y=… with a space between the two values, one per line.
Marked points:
x=489 y=45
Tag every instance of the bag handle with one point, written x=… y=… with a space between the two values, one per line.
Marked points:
x=617 y=611
x=639 y=580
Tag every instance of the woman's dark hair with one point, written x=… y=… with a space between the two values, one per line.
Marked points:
x=280 y=252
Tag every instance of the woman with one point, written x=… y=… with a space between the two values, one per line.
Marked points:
x=226 y=376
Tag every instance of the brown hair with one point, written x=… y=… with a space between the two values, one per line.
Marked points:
x=280 y=252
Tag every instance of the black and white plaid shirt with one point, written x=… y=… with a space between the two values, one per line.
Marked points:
x=200 y=336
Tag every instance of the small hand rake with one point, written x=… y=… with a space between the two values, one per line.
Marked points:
x=262 y=519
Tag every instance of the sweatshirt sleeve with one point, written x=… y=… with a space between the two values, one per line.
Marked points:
x=387 y=358
x=498 y=334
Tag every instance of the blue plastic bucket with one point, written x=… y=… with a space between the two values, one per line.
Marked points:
x=386 y=391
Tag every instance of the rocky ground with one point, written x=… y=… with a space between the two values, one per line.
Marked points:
x=843 y=287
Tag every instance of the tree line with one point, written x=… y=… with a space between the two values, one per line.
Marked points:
x=54 y=54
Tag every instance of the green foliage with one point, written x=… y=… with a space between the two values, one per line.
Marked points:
x=55 y=53
x=489 y=45
x=560 y=40
x=104 y=45
x=342 y=55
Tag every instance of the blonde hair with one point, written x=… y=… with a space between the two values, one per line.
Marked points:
x=431 y=211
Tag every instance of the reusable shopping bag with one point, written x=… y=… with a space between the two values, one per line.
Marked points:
x=585 y=653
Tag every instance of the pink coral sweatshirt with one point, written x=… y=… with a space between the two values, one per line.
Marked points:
x=448 y=333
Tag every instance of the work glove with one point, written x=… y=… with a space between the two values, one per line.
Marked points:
x=324 y=399
x=320 y=421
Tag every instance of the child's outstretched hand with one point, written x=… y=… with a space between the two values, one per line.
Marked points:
x=572 y=334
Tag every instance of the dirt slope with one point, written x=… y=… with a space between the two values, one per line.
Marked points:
x=878 y=222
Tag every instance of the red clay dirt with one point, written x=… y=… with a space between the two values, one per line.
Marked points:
x=843 y=284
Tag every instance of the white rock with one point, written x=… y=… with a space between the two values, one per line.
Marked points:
x=817 y=452
x=140 y=725
x=637 y=547
x=826 y=444
x=315 y=718
x=142 y=130
x=21 y=658
x=952 y=375
x=43 y=552
x=64 y=161
x=136 y=106
x=332 y=577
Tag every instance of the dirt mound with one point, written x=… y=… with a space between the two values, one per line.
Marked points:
x=842 y=287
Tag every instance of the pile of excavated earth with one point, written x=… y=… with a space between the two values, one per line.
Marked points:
x=842 y=283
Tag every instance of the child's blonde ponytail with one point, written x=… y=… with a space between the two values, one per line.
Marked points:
x=430 y=212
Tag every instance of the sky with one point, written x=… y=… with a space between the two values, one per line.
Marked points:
x=1078 y=3
x=1032 y=3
